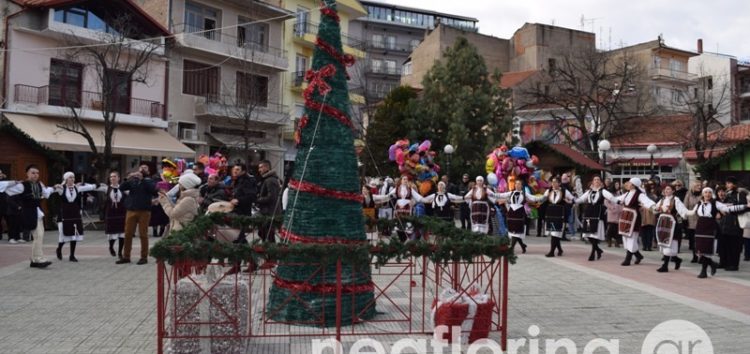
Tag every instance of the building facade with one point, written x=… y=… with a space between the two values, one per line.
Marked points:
x=390 y=33
x=45 y=86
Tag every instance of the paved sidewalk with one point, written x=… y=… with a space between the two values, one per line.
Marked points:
x=95 y=306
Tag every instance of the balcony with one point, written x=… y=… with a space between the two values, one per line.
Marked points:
x=37 y=100
x=307 y=32
x=389 y=48
x=297 y=79
x=384 y=70
x=229 y=106
x=744 y=89
x=673 y=75
x=223 y=45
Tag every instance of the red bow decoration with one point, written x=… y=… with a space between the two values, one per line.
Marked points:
x=317 y=80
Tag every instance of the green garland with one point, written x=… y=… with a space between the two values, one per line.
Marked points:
x=447 y=243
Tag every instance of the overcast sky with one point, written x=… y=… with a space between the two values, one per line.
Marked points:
x=723 y=24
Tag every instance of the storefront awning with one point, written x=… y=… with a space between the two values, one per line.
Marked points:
x=238 y=143
x=127 y=140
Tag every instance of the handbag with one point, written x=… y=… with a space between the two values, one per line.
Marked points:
x=744 y=220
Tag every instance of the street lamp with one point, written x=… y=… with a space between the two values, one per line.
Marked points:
x=651 y=149
x=448 y=150
x=604 y=146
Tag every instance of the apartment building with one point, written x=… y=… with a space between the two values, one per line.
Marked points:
x=48 y=79
x=390 y=33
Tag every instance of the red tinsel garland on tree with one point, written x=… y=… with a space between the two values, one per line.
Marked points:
x=303 y=287
x=312 y=188
x=292 y=237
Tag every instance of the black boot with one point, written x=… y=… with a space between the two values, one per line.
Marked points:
x=552 y=247
x=513 y=244
x=120 y=245
x=665 y=266
x=711 y=264
x=112 y=248
x=704 y=264
x=599 y=252
x=72 y=257
x=628 y=258
x=695 y=258
x=523 y=246
x=638 y=257
x=593 y=252
x=677 y=262
x=59 y=250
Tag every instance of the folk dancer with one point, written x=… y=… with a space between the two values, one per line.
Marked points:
x=595 y=215
x=31 y=193
x=706 y=227
x=440 y=203
x=672 y=206
x=385 y=211
x=114 y=213
x=634 y=198
x=406 y=196
x=731 y=229
x=555 y=199
x=69 y=220
x=480 y=198
x=515 y=204
x=692 y=198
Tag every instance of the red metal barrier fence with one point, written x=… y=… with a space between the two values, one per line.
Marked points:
x=231 y=310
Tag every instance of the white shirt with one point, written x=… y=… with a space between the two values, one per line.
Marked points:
x=517 y=199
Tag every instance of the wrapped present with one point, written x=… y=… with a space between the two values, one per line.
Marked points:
x=471 y=312
x=215 y=320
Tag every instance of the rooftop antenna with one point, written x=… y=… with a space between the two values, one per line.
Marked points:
x=609 y=45
x=590 y=21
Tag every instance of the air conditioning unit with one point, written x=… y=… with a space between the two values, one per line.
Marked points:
x=189 y=134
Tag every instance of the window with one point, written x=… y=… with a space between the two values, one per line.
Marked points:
x=710 y=83
x=552 y=64
x=377 y=41
x=657 y=62
x=390 y=65
x=414 y=43
x=406 y=69
x=676 y=65
x=300 y=25
x=675 y=96
x=81 y=17
x=65 y=79
x=252 y=35
x=711 y=110
x=200 y=79
x=252 y=89
x=376 y=65
x=119 y=96
x=202 y=19
x=391 y=42
x=300 y=67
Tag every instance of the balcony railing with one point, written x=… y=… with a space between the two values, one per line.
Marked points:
x=675 y=74
x=386 y=46
x=298 y=78
x=235 y=41
x=383 y=70
x=88 y=100
x=236 y=106
x=302 y=28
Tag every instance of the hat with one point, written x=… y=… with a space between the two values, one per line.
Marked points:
x=635 y=181
x=67 y=175
x=189 y=181
x=479 y=179
x=732 y=179
x=708 y=189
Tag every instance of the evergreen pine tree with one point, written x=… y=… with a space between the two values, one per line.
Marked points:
x=325 y=194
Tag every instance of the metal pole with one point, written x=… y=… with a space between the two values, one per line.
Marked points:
x=160 y=311
x=604 y=164
x=338 y=301
x=652 y=167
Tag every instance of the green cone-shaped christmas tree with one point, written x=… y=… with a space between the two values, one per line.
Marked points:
x=325 y=195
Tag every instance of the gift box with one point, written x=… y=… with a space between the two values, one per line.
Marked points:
x=471 y=312
x=219 y=318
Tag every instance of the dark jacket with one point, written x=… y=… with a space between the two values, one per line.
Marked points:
x=3 y=203
x=212 y=195
x=729 y=223
x=141 y=194
x=245 y=190
x=269 y=198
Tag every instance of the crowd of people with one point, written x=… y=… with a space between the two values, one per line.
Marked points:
x=133 y=204
x=635 y=215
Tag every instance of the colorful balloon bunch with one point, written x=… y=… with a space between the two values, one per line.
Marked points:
x=215 y=165
x=416 y=161
x=171 y=170
x=505 y=166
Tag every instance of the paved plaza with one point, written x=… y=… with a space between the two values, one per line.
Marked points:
x=95 y=306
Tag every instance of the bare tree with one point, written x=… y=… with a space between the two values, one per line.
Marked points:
x=120 y=55
x=587 y=93
x=708 y=103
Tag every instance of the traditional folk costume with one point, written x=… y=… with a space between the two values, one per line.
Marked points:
x=516 y=215
x=594 y=218
x=630 y=220
x=480 y=198
x=69 y=220
x=385 y=211
x=406 y=197
x=555 y=217
x=670 y=212
x=114 y=217
x=706 y=227
x=32 y=217
x=440 y=204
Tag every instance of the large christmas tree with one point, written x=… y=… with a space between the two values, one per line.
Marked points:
x=325 y=194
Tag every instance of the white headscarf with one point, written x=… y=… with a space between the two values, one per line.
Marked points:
x=67 y=175
x=637 y=183
x=713 y=195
